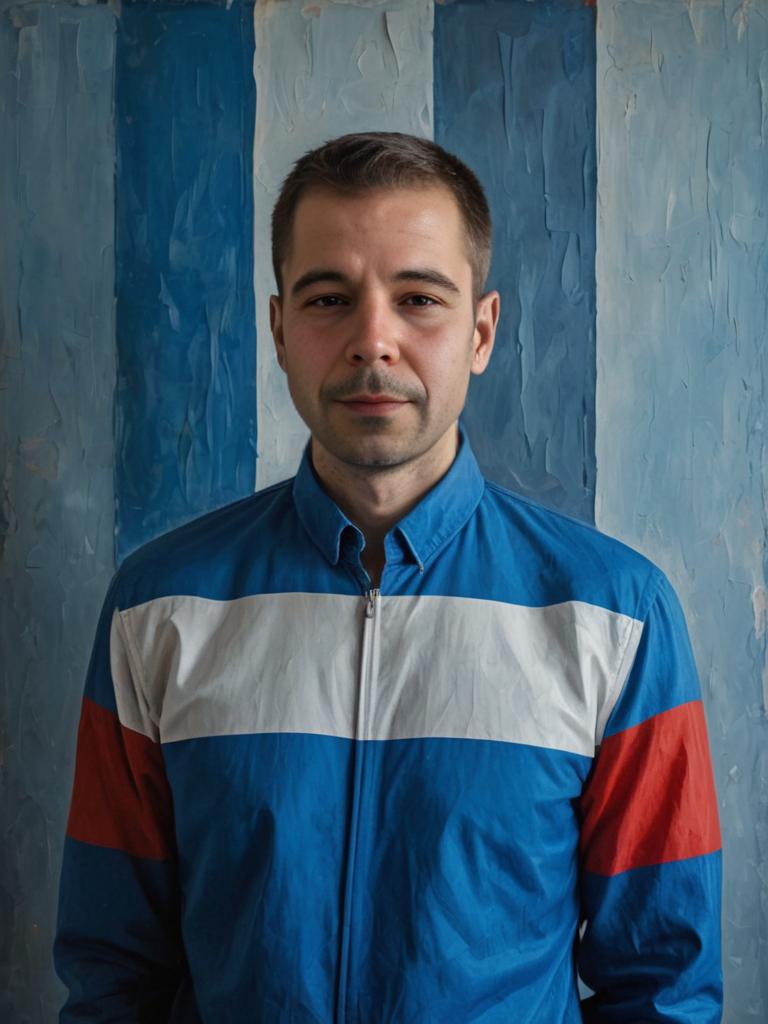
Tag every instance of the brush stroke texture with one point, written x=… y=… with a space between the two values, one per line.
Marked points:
x=185 y=402
x=323 y=70
x=518 y=104
x=57 y=369
x=682 y=471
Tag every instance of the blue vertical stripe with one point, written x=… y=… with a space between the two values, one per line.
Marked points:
x=185 y=406
x=515 y=98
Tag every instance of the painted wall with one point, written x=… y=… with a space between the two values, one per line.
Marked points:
x=660 y=425
x=518 y=105
x=185 y=407
x=682 y=331
x=323 y=69
x=57 y=372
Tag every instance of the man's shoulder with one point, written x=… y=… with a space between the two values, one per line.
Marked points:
x=566 y=554
x=202 y=555
x=557 y=525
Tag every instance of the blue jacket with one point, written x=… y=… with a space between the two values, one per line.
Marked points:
x=300 y=800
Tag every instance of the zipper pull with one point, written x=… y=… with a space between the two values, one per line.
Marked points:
x=370 y=602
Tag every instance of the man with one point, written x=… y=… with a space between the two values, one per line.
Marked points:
x=386 y=742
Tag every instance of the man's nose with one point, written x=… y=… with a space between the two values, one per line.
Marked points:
x=373 y=333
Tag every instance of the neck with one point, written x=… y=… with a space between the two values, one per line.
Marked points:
x=375 y=498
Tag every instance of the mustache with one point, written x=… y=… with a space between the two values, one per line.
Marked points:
x=371 y=382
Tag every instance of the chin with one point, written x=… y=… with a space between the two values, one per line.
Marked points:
x=371 y=453
x=366 y=457
x=376 y=445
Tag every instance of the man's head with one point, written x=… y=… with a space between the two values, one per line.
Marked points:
x=378 y=300
x=361 y=162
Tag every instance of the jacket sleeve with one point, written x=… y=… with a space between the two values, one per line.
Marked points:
x=117 y=946
x=650 y=843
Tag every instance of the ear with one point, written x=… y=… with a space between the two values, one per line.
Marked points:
x=276 y=326
x=486 y=319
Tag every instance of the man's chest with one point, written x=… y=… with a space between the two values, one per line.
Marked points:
x=379 y=668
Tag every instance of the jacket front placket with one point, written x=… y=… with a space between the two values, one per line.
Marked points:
x=363 y=720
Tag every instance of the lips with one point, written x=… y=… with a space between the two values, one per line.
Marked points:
x=373 y=405
x=373 y=399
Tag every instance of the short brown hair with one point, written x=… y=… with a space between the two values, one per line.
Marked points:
x=367 y=160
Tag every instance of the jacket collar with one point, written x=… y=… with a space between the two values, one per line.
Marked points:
x=438 y=516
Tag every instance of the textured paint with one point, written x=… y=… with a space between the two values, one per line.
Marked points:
x=185 y=405
x=518 y=104
x=682 y=367
x=683 y=99
x=322 y=70
x=57 y=371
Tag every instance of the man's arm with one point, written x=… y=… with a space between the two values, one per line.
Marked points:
x=117 y=948
x=650 y=843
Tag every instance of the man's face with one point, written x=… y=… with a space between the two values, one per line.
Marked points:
x=376 y=330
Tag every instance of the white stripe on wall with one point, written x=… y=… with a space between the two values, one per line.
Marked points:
x=187 y=667
x=322 y=70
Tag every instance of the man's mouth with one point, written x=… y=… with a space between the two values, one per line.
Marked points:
x=373 y=405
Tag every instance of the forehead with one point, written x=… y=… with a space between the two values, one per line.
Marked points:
x=415 y=220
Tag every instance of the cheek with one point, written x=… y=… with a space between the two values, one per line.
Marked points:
x=308 y=366
x=445 y=368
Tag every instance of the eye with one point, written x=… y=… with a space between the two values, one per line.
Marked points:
x=422 y=301
x=325 y=301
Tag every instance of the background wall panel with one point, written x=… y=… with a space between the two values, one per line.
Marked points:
x=322 y=70
x=186 y=395
x=518 y=104
x=682 y=470
x=676 y=448
x=57 y=368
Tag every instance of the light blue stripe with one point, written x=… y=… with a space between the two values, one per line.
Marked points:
x=57 y=372
x=515 y=98
x=683 y=378
x=185 y=405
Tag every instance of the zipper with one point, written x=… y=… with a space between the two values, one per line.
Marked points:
x=368 y=669
x=370 y=602
x=367 y=663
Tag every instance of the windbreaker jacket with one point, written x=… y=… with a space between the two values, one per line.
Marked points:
x=298 y=799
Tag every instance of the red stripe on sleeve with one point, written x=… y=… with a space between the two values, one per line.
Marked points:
x=121 y=796
x=651 y=797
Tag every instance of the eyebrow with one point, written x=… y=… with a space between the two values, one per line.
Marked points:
x=424 y=275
